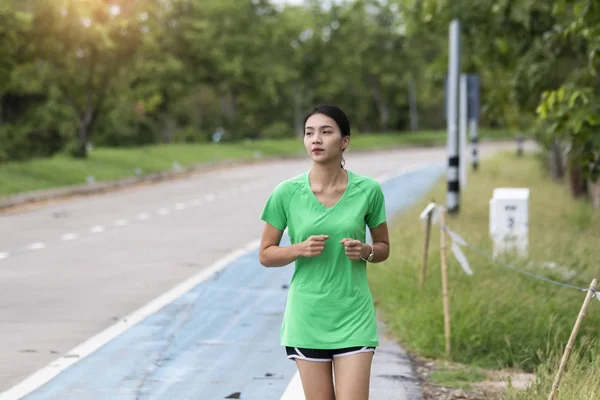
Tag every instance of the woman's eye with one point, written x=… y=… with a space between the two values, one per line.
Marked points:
x=327 y=132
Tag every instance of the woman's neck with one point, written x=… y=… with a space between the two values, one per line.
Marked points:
x=328 y=175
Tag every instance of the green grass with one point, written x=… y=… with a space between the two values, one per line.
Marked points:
x=457 y=376
x=111 y=164
x=580 y=382
x=499 y=317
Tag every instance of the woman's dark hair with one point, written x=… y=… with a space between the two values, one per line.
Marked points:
x=334 y=113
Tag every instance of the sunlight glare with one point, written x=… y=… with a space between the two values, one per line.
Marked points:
x=115 y=10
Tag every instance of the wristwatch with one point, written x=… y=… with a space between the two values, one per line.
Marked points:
x=370 y=258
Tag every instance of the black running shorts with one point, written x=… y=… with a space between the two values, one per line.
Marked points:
x=301 y=353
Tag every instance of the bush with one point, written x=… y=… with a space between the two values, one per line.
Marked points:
x=18 y=143
x=278 y=130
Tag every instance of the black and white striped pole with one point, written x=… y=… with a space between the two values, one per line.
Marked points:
x=473 y=113
x=453 y=195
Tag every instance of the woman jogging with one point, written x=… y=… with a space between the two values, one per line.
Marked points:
x=330 y=316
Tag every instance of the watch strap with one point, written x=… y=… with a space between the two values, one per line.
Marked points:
x=370 y=258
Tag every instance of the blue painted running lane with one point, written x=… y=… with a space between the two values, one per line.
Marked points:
x=220 y=338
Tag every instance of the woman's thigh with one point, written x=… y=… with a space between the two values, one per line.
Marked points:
x=352 y=375
x=317 y=379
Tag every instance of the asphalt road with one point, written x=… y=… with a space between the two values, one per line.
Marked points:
x=69 y=270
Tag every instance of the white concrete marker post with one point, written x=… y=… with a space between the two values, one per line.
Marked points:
x=509 y=220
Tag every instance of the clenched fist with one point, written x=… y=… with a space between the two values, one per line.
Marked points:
x=354 y=248
x=313 y=246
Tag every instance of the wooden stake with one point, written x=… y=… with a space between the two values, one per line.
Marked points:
x=426 y=249
x=565 y=357
x=445 y=281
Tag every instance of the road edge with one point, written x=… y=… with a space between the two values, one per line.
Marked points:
x=35 y=198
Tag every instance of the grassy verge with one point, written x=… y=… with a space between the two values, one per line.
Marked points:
x=581 y=381
x=111 y=164
x=500 y=318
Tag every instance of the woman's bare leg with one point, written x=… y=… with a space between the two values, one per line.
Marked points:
x=352 y=376
x=317 y=379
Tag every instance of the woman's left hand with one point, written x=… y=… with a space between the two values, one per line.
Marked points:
x=355 y=249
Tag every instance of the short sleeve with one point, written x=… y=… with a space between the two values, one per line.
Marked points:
x=274 y=211
x=376 y=214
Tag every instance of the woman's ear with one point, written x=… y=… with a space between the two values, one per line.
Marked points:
x=345 y=143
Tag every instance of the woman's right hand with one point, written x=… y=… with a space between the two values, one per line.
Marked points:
x=313 y=246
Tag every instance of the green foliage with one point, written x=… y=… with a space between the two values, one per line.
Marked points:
x=569 y=112
x=127 y=73
x=163 y=72
x=13 y=28
x=24 y=141
x=278 y=130
x=84 y=50
x=573 y=114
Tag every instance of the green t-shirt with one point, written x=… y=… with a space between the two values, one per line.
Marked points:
x=329 y=303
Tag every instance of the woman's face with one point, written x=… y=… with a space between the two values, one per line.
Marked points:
x=323 y=139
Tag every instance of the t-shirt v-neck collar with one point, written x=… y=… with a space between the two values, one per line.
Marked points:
x=316 y=199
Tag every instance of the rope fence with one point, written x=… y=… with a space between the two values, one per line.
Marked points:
x=435 y=213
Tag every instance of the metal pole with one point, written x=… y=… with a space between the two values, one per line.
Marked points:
x=412 y=104
x=520 y=142
x=474 y=141
x=453 y=197
x=463 y=131
x=473 y=112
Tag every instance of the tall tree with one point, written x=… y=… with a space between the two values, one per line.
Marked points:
x=14 y=26
x=85 y=49
x=571 y=113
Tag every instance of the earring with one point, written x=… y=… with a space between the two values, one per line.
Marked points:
x=343 y=162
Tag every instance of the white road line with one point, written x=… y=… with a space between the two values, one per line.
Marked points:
x=294 y=389
x=36 y=246
x=69 y=236
x=144 y=216
x=97 y=229
x=51 y=370
x=121 y=222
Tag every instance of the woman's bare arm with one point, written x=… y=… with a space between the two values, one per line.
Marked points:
x=270 y=253
x=381 y=244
